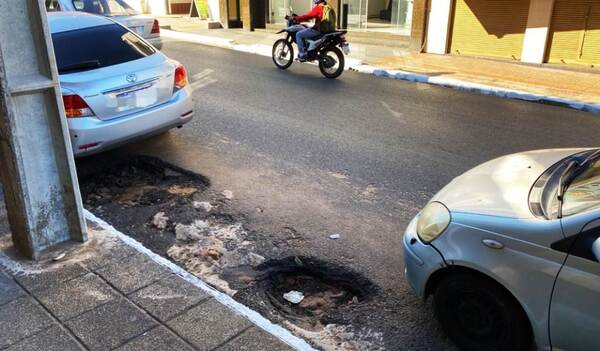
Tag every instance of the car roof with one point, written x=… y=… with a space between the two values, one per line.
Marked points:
x=66 y=21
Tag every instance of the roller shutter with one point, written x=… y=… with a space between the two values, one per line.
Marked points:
x=494 y=28
x=575 y=32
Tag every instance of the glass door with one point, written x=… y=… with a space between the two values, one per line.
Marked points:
x=356 y=14
x=402 y=16
x=278 y=9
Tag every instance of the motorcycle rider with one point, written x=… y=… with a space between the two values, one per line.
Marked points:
x=317 y=13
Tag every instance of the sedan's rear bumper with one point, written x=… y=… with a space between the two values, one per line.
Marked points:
x=420 y=260
x=92 y=135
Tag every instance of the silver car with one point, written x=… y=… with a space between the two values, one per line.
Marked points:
x=116 y=87
x=145 y=26
x=510 y=252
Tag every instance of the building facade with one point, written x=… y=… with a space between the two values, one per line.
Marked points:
x=532 y=31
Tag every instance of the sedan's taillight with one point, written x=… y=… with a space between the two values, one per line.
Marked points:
x=76 y=107
x=180 y=78
x=155 y=28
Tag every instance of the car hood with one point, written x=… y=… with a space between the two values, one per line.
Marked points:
x=500 y=187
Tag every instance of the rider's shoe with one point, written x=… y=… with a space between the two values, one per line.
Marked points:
x=301 y=57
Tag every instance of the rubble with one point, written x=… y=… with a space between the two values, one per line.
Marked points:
x=206 y=206
x=255 y=259
x=160 y=221
x=182 y=190
x=294 y=297
x=207 y=248
x=228 y=194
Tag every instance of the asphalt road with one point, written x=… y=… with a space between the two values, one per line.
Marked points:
x=356 y=156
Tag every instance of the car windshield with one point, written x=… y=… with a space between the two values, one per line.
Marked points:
x=97 y=47
x=583 y=194
x=105 y=7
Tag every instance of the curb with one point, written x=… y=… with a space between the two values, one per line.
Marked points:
x=356 y=65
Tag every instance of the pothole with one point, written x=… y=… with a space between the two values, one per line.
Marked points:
x=323 y=288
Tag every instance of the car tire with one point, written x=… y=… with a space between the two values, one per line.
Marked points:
x=479 y=314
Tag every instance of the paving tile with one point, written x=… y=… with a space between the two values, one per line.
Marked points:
x=72 y=298
x=53 y=339
x=103 y=257
x=157 y=339
x=9 y=289
x=110 y=325
x=132 y=273
x=208 y=325
x=255 y=339
x=50 y=277
x=21 y=318
x=168 y=297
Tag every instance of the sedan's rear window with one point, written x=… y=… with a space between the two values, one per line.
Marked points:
x=96 y=47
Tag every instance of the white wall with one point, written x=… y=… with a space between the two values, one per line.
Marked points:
x=136 y=4
x=536 y=34
x=157 y=7
x=438 y=26
x=214 y=10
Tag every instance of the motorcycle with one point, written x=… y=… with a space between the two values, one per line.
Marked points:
x=328 y=49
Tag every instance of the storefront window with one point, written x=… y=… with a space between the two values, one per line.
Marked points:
x=392 y=16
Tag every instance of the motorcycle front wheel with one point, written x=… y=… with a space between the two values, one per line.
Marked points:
x=283 y=54
x=331 y=62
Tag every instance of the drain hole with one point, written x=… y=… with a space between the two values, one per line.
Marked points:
x=324 y=287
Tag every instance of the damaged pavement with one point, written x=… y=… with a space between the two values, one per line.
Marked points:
x=175 y=213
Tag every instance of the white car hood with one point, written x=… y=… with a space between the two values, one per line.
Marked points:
x=500 y=187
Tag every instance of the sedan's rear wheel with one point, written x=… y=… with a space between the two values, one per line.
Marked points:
x=478 y=314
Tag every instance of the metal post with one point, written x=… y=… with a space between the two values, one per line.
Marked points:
x=36 y=160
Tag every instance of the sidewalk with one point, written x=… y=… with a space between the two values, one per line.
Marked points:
x=574 y=86
x=266 y=38
x=108 y=295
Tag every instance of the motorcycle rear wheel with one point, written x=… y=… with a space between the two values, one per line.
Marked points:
x=331 y=63
x=283 y=54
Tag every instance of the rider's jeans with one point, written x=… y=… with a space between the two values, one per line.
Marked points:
x=304 y=34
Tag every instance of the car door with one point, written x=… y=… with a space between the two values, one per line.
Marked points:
x=575 y=305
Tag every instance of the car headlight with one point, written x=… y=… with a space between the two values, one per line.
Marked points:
x=432 y=222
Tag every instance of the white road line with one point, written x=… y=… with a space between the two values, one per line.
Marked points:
x=279 y=332
x=391 y=111
x=202 y=83
x=206 y=72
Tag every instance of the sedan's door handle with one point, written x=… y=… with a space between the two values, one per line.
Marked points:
x=493 y=244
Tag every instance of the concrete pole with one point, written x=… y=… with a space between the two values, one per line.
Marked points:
x=36 y=160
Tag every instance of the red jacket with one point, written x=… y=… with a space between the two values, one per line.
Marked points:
x=316 y=13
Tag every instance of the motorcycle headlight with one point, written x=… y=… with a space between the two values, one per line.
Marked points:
x=432 y=222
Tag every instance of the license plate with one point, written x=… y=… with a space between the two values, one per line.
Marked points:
x=346 y=49
x=136 y=99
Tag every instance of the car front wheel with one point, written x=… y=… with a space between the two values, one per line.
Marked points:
x=478 y=314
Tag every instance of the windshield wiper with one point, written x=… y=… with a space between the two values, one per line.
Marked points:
x=79 y=66
x=575 y=167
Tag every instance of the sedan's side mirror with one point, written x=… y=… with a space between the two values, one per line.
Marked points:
x=596 y=249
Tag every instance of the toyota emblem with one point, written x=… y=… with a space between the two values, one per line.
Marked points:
x=131 y=78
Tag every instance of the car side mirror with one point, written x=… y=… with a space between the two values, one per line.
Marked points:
x=596 y=249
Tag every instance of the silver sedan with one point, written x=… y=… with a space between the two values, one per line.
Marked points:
x=510 y=251
x=116 y=87
x=145 y=26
